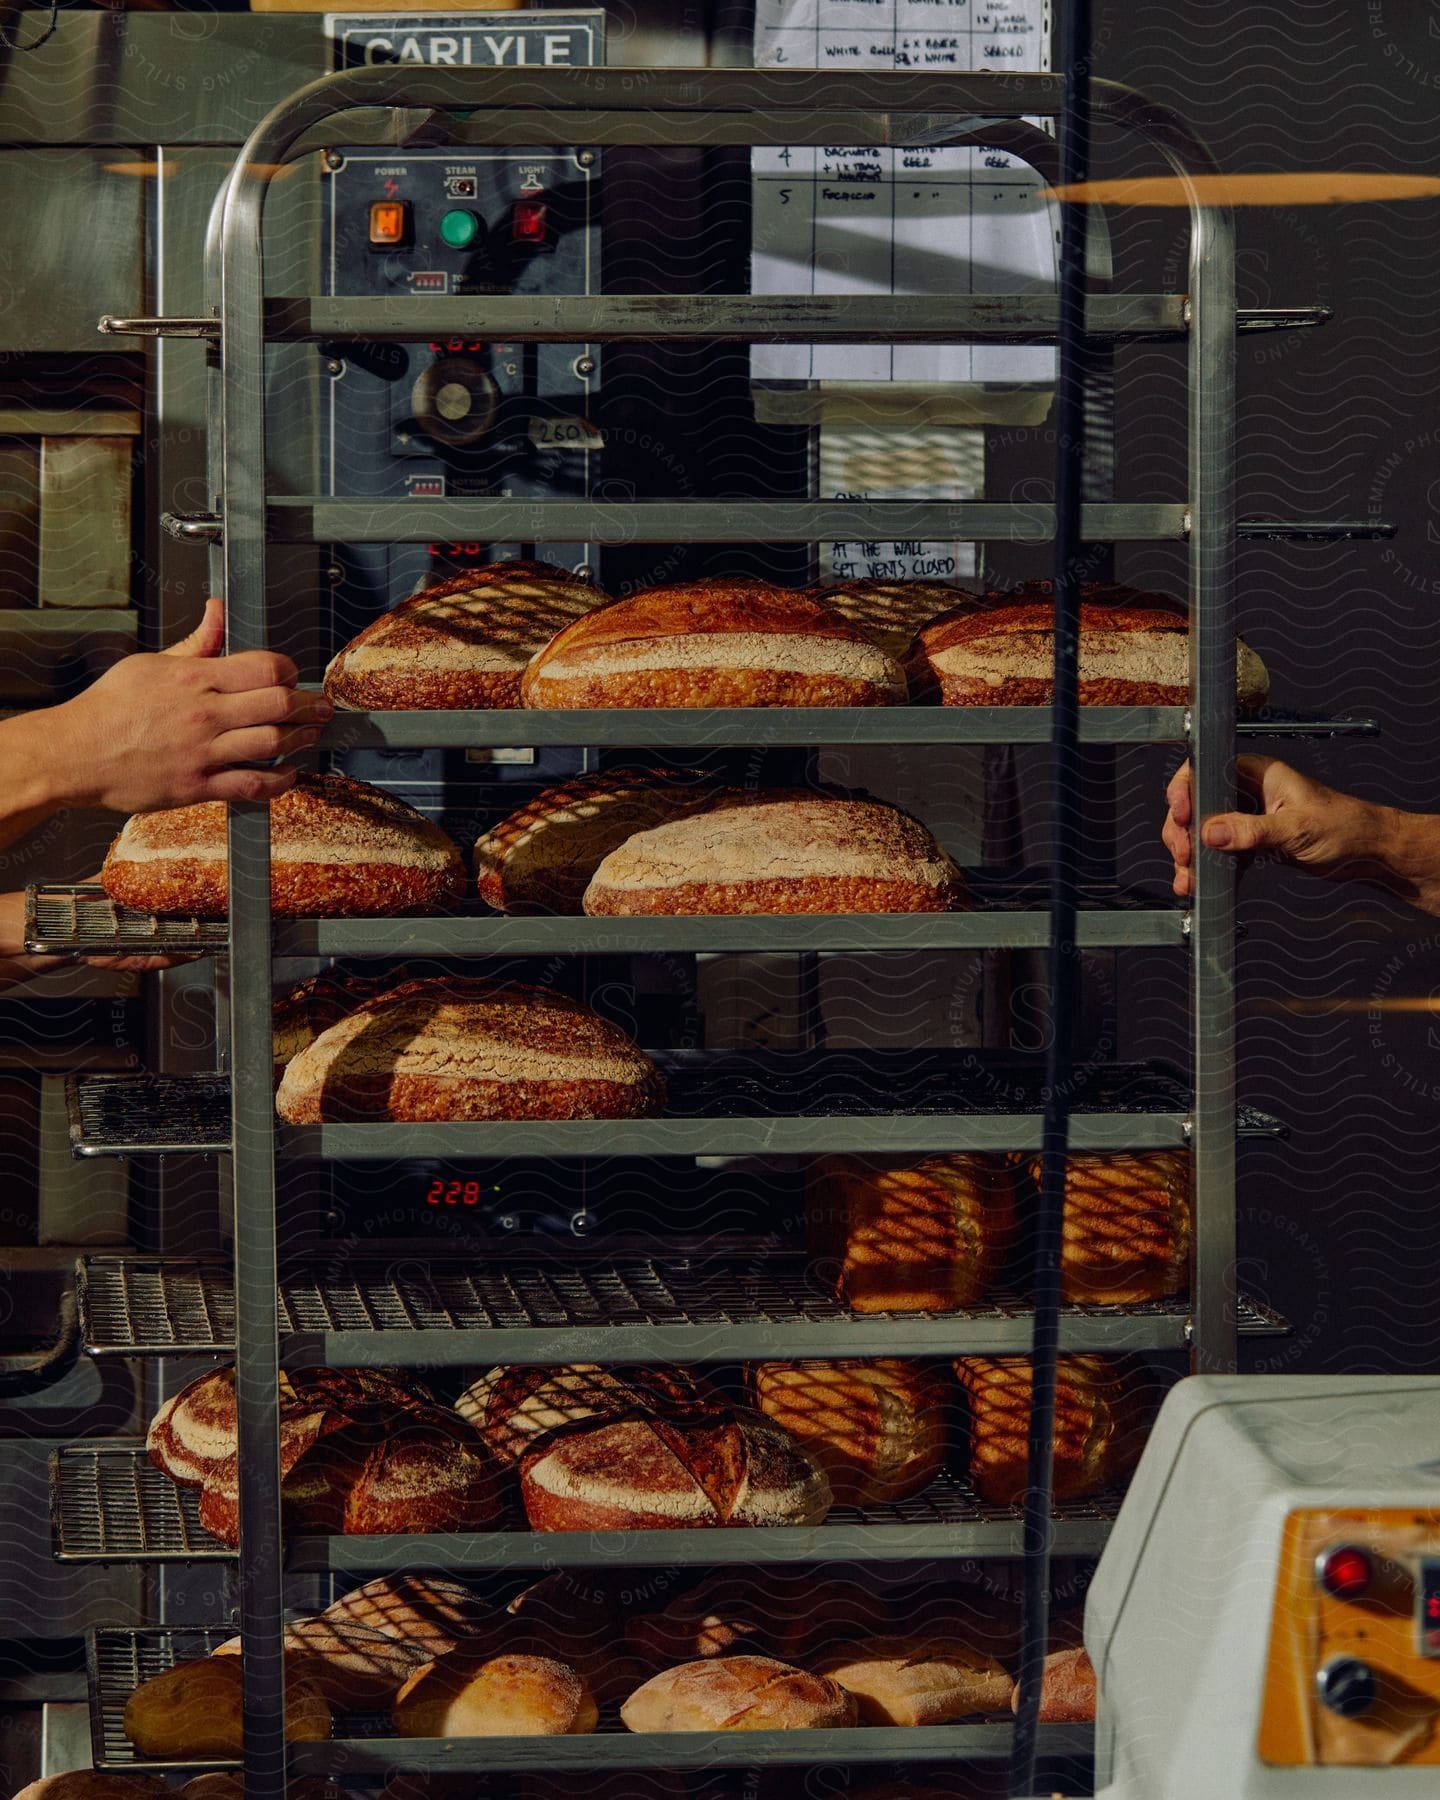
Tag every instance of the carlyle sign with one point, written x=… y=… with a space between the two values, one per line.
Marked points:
x=545 y=40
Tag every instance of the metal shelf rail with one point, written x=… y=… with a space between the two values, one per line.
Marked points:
x=745 y=107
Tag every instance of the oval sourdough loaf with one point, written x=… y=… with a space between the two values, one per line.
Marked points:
x=514 y=1409
x=999 y=650
x=727 y=642
x=475 y=1050
x=1126 y=1232
x=891 y=612
x=738 y=1693
x=463 y=642
x=428 y=1612
x=337 y=847
x=917 y=1680
x=194 y=1709
x=780 y=852
x=495 y=1696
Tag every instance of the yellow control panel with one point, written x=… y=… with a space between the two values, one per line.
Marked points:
x=1353 y=1672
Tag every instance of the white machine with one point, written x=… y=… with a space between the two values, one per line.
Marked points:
x=1265 y=1622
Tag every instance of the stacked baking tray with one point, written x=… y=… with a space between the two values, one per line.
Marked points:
x=653 y=1306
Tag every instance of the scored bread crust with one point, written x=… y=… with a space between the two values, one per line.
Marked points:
x=918 y=1680
x=920 y=1235
x=514 y=1409
x=1126 y=1230
x=738 y=1693
x=435 y=1050
x=462 y=643
x=337 y=847
x=508 y=1695
x=998 y=650
x=778 y=852
x=713 y=643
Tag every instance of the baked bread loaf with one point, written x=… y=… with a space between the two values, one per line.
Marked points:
x=1101 y=1411
x=878 y=1429
x=495 y=1696
x=480 y=1050
x=195 y=1428
x=337 y=847
x=728 y=642
x=891 y=612
x=647 y=1473
x=1134 y=651
x=224 y=1784
x=1067 y=1689
x=426 y=1612
x=463 y=642
x=298 y=1016
x=514 y=1409
x=541 y=859
x=738 y=1693
x=354 y=1667
x=780 y=853
x=783 y=1612
x=914 y=1680
x=926 y=1234
x=1126 y=1232
x=86 y=1784
x=195 y=1710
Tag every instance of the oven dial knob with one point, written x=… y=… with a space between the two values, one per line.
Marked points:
x=455 y=401
x=1347 y=1686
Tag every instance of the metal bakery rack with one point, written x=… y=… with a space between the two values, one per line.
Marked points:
x=652 y=1303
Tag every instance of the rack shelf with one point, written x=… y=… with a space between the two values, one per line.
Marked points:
x=110 y=1504
x=504 y=1304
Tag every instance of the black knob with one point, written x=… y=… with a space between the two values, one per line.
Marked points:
x=1347 y=1686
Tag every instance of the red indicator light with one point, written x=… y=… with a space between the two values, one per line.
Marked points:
x=529 y=222
x=389 y=222
x=1346 y=1573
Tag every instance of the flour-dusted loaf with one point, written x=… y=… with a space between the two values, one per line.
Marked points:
x=504 y=1695
x=462 y=643
x=426 y=1612
x=891 y=612
x=1126 y=1235
x=738 y=1693
x=926 y=1234
x=1067 y=1689
x=338 y=847
x=648 y=1473
x=194 y=1710
x=780 y=852
x=514 y=1409
x=720 y=642
x=541 y=858
x=878 y=1428
x=195 y=1428
x=354 y=1667
x=917 y=1679
x=1101 y=1410
x=999 y=650
x=439 y=1049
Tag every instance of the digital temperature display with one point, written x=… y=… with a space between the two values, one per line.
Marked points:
x=442 y=1192
x=1427 y=1608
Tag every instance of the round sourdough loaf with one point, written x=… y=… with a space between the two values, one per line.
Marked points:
x=541 y=858
x=337 y=847
x=878 y=1429
x=1101 y=1410
x=999 y=650
x=194 y=1430
x=495 y=1696
x=425 y=1611
x=727 y=642
x=1126 y=1232
x=780 y=853
x=922 y=1235
x=738 y=1693
x=891 y=612
x=478 y=1050
x=513 y=1409
x=463 y=642
x=194 y=1709
x=917 y=1680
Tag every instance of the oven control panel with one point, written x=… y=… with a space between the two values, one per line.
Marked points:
x=1353 y=1670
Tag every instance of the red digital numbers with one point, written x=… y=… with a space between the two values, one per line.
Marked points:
x=458 y=346
x=453 y=1193
x=472 y=550
x=1432 y=1608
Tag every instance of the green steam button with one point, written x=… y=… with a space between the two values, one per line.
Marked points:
x=459 y=228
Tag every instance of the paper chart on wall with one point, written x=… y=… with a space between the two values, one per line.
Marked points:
x=853 y=219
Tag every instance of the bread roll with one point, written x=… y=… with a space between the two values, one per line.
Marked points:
x=495 y=1696
x=1100 y=1415
x=354 y=1667
x=460 y=643
x=780 y=853
x=86 y=1784
x=738 y=1693
x=727 y=642
x=427 y=1612
x=917 y=1680
x=653 y=1474
x=891 y=612
x=925 y=1234
x=878 y=1429
x=514 y=1409
x=431 y=1051
x=337 y=847
x=1126 y=1233
x=1067 y=1689
x=1134 y=651
x=194 y=1710
x=541 y=858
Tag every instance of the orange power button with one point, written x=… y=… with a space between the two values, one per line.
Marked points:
x=389 y=222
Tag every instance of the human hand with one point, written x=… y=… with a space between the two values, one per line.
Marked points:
x=169 y=729
x=17 y=964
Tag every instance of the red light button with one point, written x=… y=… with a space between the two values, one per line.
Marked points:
x=389 y=223
x=1345 y=1572
x=530 y=222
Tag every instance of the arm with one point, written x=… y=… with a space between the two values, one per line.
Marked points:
x=158 y=731
x=17 y=967
x=1304 y=822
